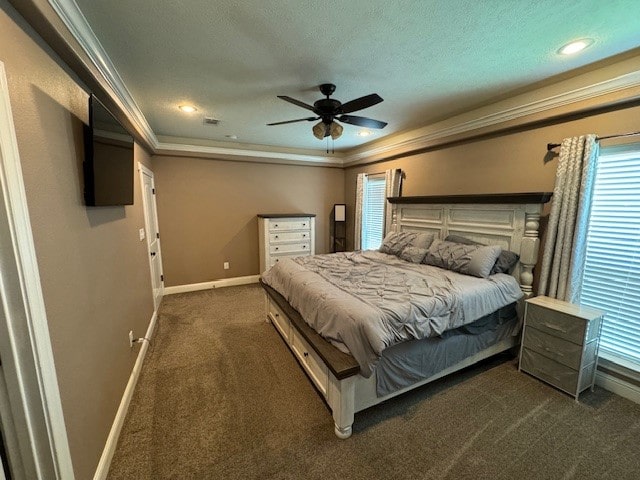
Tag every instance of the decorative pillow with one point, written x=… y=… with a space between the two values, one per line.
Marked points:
x=413 y=254
x=395 y=242
x=476 y=260
x=505 y=262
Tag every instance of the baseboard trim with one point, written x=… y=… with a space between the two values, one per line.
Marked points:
x=618 y=386
x=112 y=440
x=225 y=282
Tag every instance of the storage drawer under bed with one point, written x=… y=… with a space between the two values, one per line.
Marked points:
x=280 y=320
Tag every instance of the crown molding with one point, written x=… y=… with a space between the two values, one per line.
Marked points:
x=422 y=138
x=398 y=144
x=245 y=155
x=75 y=21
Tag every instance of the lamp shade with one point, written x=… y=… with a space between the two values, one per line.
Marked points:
x=319 y=130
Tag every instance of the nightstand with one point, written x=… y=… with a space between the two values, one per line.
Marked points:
x=560 y=343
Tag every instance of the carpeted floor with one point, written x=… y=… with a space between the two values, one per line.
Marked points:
x=221 y=396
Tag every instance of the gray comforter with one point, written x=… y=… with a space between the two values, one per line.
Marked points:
x=364 y=302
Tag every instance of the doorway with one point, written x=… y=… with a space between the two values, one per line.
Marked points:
x=152 y=233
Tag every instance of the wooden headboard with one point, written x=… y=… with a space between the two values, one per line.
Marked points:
x=509 y=220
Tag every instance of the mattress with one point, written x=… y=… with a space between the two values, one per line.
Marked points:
x=366 y=302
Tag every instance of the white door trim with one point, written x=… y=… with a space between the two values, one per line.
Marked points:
x=146 y=171
x=25 y=345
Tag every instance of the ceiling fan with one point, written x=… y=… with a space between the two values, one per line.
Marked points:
x=328 y=110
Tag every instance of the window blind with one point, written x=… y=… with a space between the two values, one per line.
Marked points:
x=373 y=212
x=612 y=269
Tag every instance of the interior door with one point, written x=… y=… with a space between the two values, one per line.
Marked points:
x=152 y=233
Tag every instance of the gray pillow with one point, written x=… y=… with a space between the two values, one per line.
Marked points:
x=395 y=242
x=476 y=260
x=505 y=262
x=413 y=254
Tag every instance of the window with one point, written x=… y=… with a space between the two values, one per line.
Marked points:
x=612 y=269
x=373 y=203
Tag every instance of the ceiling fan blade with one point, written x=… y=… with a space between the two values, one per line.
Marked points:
x=295 y=102
x=361 y=121
x=308 y=119
x=361 y=103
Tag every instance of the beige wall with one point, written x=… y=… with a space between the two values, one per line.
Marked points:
x=207 y=211
x=516 y=162
x=94 y=270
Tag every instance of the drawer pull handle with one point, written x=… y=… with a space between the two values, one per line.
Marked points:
x=555 y=327
x=276 y=248
x=276 y=236
x=304 y=235
x=277 y=259
x=304 y=246
x=276 y=225
x=304 y=224
x=306 y=354
x=277 y=314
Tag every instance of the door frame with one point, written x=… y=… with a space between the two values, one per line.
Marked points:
x=144 y=170
x=35 y=407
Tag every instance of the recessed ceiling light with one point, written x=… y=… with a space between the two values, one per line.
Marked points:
x=575 y=46
x=188 y=108
x=364 y=133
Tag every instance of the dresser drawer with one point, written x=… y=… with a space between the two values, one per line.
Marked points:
x=276 y=258
x=556 y=323
x=281 y=224
x=290 y=247
x=550 y=371
x=279 y=320
x=558 y=349
x=312 y=363
x=289 y=237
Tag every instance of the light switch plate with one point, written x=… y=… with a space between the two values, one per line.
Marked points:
x=141 y=234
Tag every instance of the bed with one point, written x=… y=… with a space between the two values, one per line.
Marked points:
x=322 y=317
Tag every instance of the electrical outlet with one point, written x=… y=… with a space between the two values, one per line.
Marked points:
x=141 y=233
x=130 y=338
x=226 y=265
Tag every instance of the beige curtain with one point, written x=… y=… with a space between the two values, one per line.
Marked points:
x=393 y=185
x=565 y=246
x=357 y=225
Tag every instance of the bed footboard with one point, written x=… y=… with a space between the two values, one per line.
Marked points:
x=333 y=372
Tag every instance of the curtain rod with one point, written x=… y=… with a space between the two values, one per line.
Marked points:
x=551 y=146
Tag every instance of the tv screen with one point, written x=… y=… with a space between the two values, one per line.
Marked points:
x=108 y=164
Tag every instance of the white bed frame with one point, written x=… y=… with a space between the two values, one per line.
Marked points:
x=508 y=220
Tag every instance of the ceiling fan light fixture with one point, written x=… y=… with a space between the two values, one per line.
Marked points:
x=335 y=130
x=319 y=130
x=364 y=133
x=188 y=108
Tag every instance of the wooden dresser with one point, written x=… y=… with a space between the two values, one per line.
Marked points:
x=560 y=343
x=285 y=235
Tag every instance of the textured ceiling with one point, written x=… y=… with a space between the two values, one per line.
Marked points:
x=428 y=59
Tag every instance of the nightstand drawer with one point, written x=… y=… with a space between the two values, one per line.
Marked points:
x=556 y=323
x=555 y=373
x=550 y=371
x=555 y=348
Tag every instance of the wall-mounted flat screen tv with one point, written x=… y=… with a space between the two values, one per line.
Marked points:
x=108 y=163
